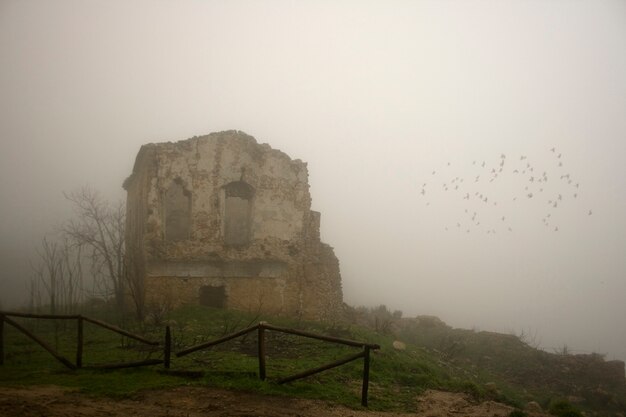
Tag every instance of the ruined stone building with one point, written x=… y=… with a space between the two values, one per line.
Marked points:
x=223 y=221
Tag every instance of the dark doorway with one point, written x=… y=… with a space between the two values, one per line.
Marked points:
x=213 y=296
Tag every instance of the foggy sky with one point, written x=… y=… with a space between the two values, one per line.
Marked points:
x=375 y=96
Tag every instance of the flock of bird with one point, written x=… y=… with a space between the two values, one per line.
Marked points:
x=486 y=191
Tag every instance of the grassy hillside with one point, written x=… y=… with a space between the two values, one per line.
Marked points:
x=587 y=379
x=433 y=357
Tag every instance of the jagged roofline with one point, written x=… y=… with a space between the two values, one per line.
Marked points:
x=238 y=133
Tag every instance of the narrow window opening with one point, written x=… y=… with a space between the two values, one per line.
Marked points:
x=177 y=212
x=238 y=213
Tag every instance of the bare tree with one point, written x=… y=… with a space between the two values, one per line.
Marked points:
x=94 y=238
x=47 y=271
x=34 y=295
x=134 y=281
x=58 y=270
x=98 y=227
x=71 y=269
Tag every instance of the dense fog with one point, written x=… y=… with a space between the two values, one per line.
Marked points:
x=467 y=157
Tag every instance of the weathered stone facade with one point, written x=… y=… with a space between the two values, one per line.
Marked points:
x=224 y=221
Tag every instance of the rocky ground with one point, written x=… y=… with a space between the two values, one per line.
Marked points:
x=53 y=401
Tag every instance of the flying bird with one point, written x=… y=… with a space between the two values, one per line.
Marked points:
x=530 y=188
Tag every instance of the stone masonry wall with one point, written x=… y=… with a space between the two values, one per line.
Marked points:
x=221 y=214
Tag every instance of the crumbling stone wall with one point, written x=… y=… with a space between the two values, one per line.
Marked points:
x=223 y=220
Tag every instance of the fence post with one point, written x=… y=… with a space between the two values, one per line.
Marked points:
x=167 y=353
x=261 y=342
x=79 y=343
x=366 y=375
x=1 y=339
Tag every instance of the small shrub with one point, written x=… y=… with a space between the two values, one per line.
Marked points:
x=472 y=389
x=380 y=318
x=562 y=408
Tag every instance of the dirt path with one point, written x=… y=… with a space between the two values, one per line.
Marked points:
x=52 y=401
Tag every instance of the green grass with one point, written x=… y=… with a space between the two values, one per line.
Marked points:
x=396 y=377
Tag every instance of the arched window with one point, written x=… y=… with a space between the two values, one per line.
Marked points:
x=238 y=213
x=177 y=205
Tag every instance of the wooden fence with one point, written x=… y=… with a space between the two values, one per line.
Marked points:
x=261 y=328
x=5 y=317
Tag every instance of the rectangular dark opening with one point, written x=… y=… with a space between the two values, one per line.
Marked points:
x=213 y=296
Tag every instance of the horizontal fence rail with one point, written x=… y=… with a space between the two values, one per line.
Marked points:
x=322 y=368
x=120 y=331
x=206 y=345
x=41 y=316
x=325 y=338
